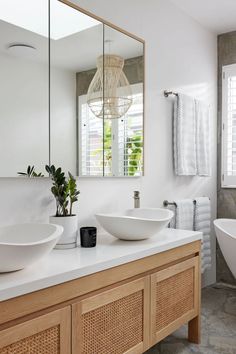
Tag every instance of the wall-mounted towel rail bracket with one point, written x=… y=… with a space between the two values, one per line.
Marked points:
x=168 y=93
x=166 y=203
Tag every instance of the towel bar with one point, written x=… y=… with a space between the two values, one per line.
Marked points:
x=168 y=93
x=166 y=203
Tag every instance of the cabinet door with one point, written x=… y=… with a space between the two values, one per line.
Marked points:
x=174 y=298
x=47 y=334
x=114 y=321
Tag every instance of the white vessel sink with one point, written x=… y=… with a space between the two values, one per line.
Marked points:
x=135 y=224
x=23 y=244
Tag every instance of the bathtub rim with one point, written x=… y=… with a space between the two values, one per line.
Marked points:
x=222 y=229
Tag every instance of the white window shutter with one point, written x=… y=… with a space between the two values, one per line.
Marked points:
x=90 y=141
x=119 y=140
x=228 y=177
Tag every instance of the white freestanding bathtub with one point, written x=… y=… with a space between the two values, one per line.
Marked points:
x=226 y=236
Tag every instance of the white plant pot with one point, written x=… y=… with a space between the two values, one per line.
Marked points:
x=68 y=238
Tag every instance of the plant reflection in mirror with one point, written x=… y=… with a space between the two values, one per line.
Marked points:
x=30 y=172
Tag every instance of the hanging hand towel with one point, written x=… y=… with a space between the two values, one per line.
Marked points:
x=185 y=136
x=184 y=214
x=172 y=223
x=202 y=222
x=202 y=138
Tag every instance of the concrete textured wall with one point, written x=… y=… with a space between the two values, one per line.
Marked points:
x=226 y=203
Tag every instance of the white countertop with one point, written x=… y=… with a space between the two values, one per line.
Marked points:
x=65 y=265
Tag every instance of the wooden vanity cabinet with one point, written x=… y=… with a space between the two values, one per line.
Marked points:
x=175 y=298
x=114 y=321
x=122 y=310
x=46 y=334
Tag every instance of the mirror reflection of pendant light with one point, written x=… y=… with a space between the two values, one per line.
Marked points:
x=109 y=94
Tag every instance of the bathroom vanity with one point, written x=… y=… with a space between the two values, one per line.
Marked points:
x=120 y=297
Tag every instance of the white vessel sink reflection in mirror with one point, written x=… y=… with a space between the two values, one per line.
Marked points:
x=135 y=224
x=23 y=244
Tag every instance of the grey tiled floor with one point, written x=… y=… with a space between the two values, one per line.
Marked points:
x=218 y=327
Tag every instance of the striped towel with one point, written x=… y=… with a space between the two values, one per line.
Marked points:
x=185 y=136
x=202 y=222
x=172 y=223
x=202 y=139
x=184 y=214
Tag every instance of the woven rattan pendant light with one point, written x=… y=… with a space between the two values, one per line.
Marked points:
x=109 y=94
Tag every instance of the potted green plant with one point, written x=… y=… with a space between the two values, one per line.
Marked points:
x=66 y=194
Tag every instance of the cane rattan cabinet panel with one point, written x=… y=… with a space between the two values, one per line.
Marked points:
x=113 y=322
x=47 y=334
x=174 y=299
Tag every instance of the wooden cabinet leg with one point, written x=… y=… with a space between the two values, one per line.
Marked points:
x=194 y=330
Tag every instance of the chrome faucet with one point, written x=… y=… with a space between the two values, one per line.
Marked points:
x=136 y=199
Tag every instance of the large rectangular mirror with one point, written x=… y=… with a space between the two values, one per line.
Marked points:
x=24 y=90
x=71 y=92
x=97 y=79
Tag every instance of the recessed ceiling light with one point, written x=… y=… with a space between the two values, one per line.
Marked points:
x=22 y=49
x=25 y=46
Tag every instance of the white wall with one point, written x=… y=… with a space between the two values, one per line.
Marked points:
x=63 y=119
x=23 y=115
x=180 y=55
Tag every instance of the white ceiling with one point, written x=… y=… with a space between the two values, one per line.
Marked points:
x=80 y=51
x=65 y=20
x=77 y=39
x=217 y=15
x=76 y=52
x=15 y=35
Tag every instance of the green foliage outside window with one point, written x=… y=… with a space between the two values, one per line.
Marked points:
x=132 y=154
x=134 y=146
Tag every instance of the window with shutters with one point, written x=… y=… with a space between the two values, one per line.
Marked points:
x=229 y=126
x=121 y=150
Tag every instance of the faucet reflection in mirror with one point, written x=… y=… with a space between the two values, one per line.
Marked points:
x=109 y=94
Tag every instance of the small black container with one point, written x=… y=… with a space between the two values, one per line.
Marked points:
x=88 y=236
